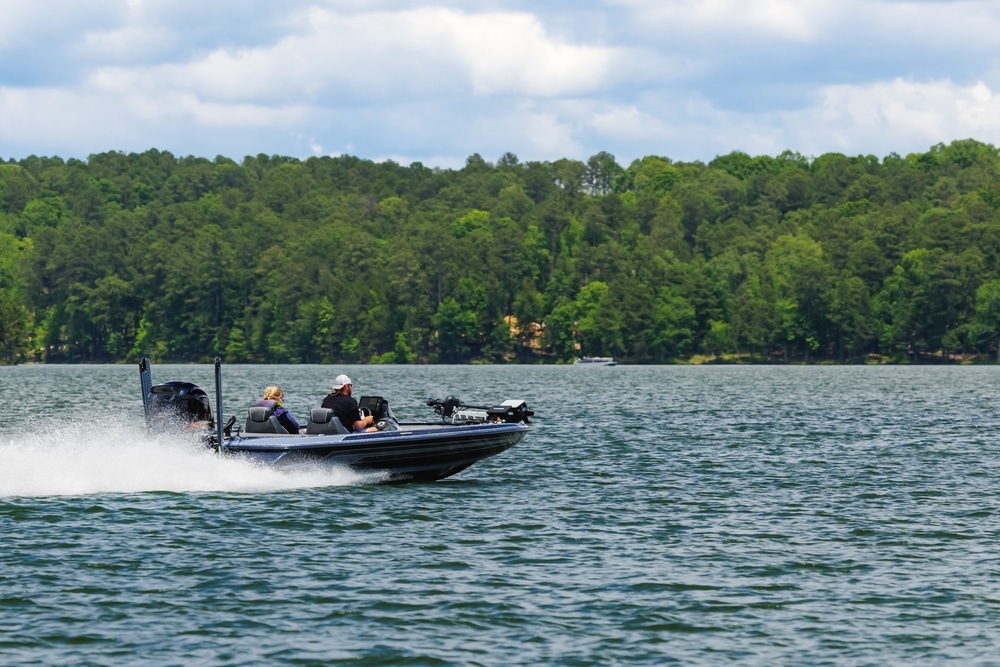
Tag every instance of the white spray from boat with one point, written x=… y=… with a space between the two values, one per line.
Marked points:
x=78 y=459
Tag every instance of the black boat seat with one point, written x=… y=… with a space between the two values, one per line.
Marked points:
x=322 y=421
x=261 y=419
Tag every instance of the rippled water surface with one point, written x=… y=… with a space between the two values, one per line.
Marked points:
x=655 y=515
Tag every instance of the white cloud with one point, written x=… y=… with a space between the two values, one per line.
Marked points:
x=850 y=28
x=126 y=43
x=184 y=107
x=793 y=20
x=684 y=78
x=46 y=121
x=625 y=122
x=50 y=26
x=544 y=130
x=422 y=53
x=60 y=117
x=511 y=53
x=890 y=116
x=879 y=118
x=905 y=112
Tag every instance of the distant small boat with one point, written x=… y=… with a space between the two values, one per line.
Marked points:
x=595 y=361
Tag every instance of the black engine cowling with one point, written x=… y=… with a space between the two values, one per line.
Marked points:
x=179 y=402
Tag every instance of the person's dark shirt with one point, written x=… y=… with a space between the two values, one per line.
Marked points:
x=344 y=407
x=285 y=418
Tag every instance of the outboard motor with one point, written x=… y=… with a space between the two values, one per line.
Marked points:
x=179 y=403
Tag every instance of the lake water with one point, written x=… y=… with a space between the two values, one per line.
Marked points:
x=654 y=515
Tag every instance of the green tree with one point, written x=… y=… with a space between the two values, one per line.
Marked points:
x=851 y=315
x=988 y=309
x=673 y=326
x=800 y=275
x=455 y=328
x=14 y=328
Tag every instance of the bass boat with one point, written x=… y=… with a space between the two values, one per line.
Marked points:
x=396 y=452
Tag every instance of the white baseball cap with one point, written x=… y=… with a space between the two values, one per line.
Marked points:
x=341 y=380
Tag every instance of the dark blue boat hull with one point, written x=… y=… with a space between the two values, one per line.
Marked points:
x=415 y=452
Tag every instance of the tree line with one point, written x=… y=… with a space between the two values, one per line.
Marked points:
x=341 y=259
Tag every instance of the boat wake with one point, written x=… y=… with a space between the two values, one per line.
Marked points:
x=126 y=458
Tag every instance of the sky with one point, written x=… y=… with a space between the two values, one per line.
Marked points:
x=435 y=82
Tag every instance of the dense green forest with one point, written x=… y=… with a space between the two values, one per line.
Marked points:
x=282 y=260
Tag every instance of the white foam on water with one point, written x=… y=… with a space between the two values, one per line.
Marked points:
x=79 y=459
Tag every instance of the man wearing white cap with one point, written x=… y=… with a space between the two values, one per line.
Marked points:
x=345 y=407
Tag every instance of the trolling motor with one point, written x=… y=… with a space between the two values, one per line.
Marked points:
x=511 y=411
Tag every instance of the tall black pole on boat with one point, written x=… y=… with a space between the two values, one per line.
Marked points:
x=146 y=377
x=218 y=404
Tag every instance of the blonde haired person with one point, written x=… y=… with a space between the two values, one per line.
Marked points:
x=273 y=398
